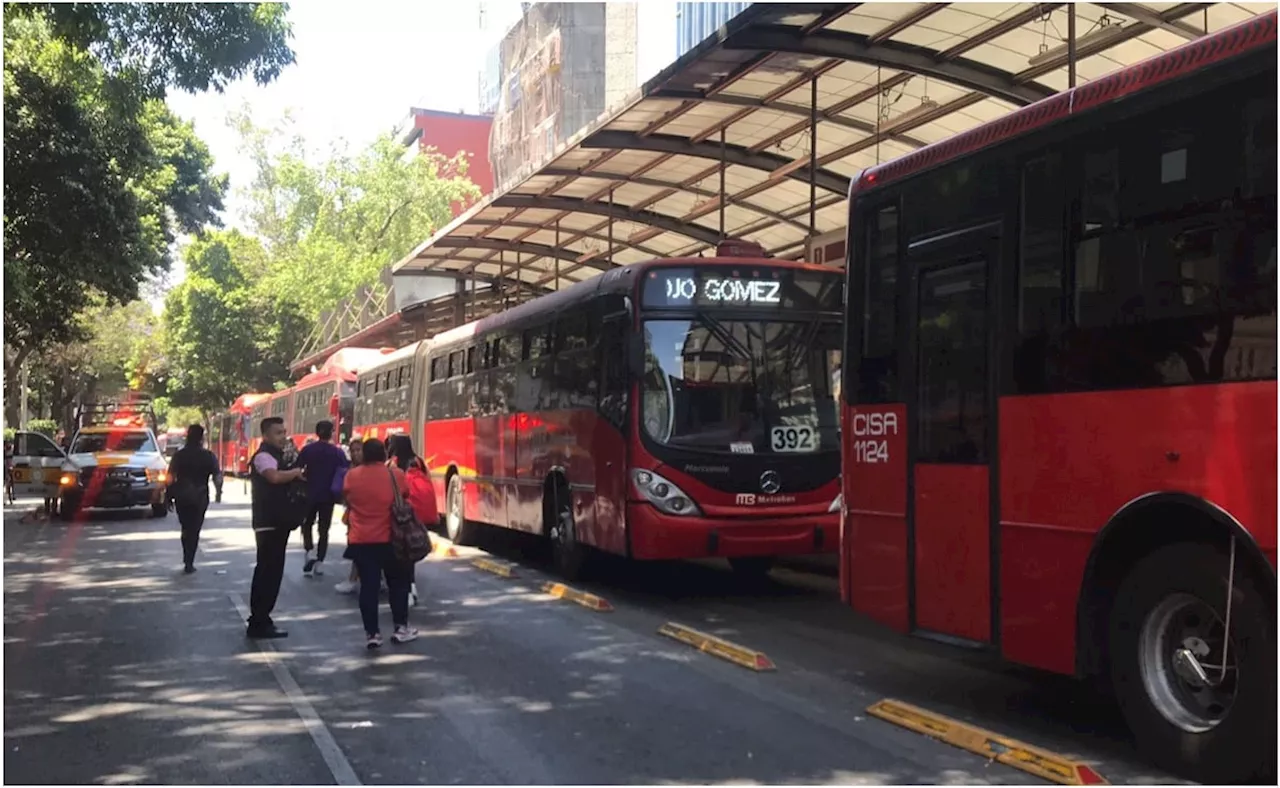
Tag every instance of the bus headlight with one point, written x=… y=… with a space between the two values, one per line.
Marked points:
x=837 y=503
x=663 y=494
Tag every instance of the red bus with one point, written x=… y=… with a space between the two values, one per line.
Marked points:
x=663 y=410
x=1059 y=410
x=229 y=433
x=328 y=394
x=382 y=395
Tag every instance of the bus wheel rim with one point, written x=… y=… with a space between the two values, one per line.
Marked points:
x=1180 y=644
x=455 y=508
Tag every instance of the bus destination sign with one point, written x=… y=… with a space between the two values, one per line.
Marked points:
x=673 y=288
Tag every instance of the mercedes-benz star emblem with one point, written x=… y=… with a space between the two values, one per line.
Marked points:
x=770 y=482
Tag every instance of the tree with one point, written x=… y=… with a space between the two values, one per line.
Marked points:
x=225 y=334
x=99 y=175
x=332 y=226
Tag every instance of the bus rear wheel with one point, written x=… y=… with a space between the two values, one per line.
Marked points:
x=567 y=553
x=1200 y=698
x=455 y=518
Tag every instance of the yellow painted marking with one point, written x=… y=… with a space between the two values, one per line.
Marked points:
x=561 y=591
x=1011 y=752
x=443 y=548
x=502 y=570
x=717 y=647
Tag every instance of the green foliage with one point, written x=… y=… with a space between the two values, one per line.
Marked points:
x=191 y=46
x=46 y=426
x=179 y=417
x=333 y=226
x=105 y=360
x=100 y=177
x=224 y=335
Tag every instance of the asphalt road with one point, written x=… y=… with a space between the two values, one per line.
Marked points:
x=119 y=669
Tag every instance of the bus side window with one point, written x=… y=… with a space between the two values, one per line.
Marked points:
x=612 y=351
x=1041 y=271
x=878 y=365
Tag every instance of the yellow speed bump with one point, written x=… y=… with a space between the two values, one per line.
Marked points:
x=561 y=591
x=717 y=647
x=443 y=549
x=1033 y=760
x=502 y=570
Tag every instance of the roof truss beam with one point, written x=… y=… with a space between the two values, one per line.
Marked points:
x=550 y=227
x=614 y=211
x=903 y=57
x=731 y=154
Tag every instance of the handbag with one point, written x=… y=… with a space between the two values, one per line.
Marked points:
x=410 y=539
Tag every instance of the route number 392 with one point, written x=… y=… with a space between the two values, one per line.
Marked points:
x=870 y=451
x=793 y=439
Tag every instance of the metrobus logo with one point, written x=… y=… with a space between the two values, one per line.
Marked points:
x=751 y=499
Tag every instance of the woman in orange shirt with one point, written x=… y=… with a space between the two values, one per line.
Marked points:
x=368 y=493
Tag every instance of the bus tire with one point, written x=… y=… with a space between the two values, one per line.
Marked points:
x=567 y=553
x=754 y=567
x=1173 y=600
x=455 y=515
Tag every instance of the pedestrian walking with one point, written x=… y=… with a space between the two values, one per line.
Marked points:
x=322 y=460
x=278 y=508
x=190 y=471
x=369 y=491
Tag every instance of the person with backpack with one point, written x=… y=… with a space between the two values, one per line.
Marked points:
x=420 y=494
x=371 y=491
x=187 y=492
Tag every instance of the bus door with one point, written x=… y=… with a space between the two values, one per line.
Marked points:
x=950 y=446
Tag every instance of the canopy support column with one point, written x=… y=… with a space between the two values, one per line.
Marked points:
x=557 y=257
x=722 y=168
x=1071 y=45
x=813 y=157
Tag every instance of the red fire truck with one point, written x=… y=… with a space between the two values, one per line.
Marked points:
x=1059 y=406
x=663 y=410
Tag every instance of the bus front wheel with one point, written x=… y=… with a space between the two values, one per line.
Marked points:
x=1198 y=693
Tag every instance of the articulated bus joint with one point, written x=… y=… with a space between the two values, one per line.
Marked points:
x=1141 y=526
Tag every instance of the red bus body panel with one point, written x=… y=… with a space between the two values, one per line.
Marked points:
x=953 y=550
x=1117 y=446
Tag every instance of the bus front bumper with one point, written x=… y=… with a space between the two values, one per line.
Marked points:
x=658 y=536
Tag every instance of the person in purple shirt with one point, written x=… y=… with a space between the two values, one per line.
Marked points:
x=322 y=460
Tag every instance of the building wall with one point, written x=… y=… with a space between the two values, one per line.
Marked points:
x=453 y=132
x=696 y=21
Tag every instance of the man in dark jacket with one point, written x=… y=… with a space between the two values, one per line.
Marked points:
x=190 y=470
x=277 y=510
x=322 y=460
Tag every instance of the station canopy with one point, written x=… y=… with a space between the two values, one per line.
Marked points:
x=746 y=112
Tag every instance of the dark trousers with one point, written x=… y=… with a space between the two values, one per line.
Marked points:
x=191 y=518
x=324 y=513
x=372 y=560
x=267 y=575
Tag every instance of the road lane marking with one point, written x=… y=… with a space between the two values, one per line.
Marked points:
x=1011 y=752
x=500 y=569
x=562 y=591
x=717 y=647
x=333 y=756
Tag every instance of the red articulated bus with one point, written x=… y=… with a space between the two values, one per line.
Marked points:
x=382 y=395
x=671 y=409
x=1059 y=409
x=328 y=394
x=229 y=433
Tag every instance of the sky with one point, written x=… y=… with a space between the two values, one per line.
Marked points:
x=361 y=66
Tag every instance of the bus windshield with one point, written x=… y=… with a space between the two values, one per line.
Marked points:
x=742 y=386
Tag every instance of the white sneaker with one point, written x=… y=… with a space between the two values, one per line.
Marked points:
x=404 y=634
x=346 y=587
x=309 y=566
x=318 y=568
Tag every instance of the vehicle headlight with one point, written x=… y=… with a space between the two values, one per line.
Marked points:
x=663 y=494
x=67 y=480
x=157 y=476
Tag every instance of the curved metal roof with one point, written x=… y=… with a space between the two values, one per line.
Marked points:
x=734 y=116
